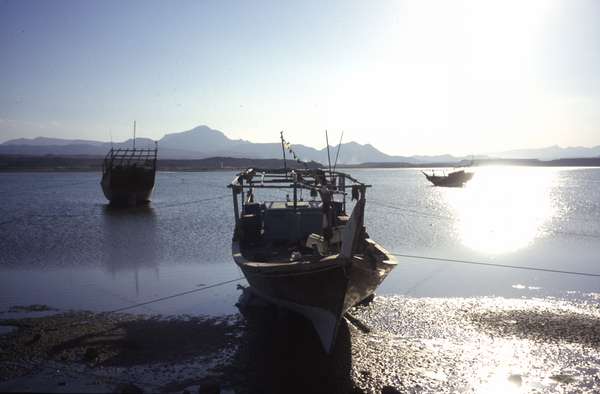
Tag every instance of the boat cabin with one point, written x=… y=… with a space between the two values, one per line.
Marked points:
x=291 y=224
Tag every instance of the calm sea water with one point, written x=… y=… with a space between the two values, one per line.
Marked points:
x=62 y=246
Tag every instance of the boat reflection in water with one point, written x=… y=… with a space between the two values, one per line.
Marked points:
x=130 y=241
x=281 y=353
x=504 y=209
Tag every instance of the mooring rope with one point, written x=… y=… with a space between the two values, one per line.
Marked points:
x=95 y=211
x=192 y=202
x=410 y=210
x=152 y=301
x=521 y=267
x=174 y=295
x=415 y=212
x=438 y=259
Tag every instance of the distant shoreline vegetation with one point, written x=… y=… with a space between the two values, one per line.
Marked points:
x=93 y=163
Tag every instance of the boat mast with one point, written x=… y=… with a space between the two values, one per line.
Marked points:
x=283 y=150
x=295 y=179
x=328 y=156
x=134 y=134
x=337 y=154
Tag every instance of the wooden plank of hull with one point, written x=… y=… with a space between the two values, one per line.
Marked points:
x=126 y=196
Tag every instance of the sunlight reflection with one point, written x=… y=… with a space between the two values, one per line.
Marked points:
x=503 y=208
x=501 y=374
x=501 y=384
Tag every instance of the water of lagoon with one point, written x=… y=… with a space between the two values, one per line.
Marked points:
x=62 y=246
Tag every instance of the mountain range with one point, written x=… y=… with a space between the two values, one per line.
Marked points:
x=203 y=141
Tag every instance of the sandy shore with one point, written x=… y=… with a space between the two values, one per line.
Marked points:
x=397 y=344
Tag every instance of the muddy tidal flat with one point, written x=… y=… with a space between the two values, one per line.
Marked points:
x=394 y=344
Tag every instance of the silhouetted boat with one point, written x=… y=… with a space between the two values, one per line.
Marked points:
x=307 y=255
x=453 y=179
x=128 y=175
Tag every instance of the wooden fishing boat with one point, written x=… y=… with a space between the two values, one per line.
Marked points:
x=453 y=179
x=128 y=175
x=306 y=254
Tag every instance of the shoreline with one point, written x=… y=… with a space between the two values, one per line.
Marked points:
x=428 y=345
x=166 y=170
x=94 y=164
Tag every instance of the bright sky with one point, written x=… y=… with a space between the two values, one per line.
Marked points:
x=409 y=77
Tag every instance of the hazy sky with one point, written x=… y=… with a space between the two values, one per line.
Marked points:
x=409 y=77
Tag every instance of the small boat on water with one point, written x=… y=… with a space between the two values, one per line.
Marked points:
x=452 y=179
x=306 y=254
x=128 y=175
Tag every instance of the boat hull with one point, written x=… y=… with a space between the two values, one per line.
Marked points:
x=320 y=291
x=128 y=188
x=451 y=180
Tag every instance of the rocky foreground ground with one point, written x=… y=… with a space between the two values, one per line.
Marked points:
x=394 y=344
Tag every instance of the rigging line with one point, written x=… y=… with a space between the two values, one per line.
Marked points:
x=328 y=156
x=39 y=216
x=496 y=265
x=192 y=202
x=416 y=212
x=175 y=295
x=429 y=215
x=338 y=151
x=575 y=234
x=432 y=274
x=46 y=187
x=95 y=213
x=197 y=183
x=96 y=314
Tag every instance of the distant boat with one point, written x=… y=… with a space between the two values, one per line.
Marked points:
x=128 y=175
x=307 y=255
x=453 y=179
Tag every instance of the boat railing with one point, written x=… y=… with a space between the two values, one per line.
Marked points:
x=129 y=156
x=334 y=181
x=326 y=183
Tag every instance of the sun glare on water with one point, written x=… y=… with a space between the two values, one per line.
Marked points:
x=503 y=209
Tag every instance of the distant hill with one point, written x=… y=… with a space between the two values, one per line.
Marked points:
x=197 y=143
x=44 y=141
x=203 y=142
x=553 y=152
x=212 y=142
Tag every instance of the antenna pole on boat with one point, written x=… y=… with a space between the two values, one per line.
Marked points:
x=111 y=140
x=283 y=150
x=328 y=156
x=338 y=151
x=134 y=134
